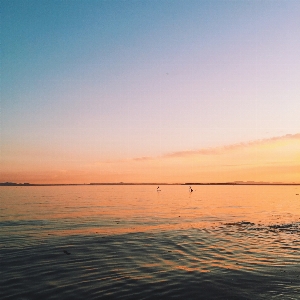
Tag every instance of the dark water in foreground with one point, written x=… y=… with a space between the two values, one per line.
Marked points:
x=131 y=242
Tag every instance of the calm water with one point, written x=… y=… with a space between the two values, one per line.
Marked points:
x=132 y=242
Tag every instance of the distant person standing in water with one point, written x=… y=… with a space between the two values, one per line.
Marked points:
x=190 y=189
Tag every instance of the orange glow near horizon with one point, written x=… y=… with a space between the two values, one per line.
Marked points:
x=271 y=160
x=126 y=213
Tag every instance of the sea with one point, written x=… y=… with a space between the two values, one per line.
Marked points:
x=134 y=242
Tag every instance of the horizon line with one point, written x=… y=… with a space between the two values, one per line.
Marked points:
x=150 y=183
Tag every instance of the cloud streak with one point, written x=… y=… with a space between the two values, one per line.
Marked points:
x=223 y=149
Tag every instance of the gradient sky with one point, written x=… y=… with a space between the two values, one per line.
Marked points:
x=150 y=91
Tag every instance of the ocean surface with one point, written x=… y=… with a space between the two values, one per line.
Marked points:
x=132 y=242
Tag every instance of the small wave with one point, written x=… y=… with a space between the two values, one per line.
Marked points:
x=242 y=223
x=24 y=223
x=290 y=227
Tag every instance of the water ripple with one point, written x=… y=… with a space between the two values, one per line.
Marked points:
x=98 y=244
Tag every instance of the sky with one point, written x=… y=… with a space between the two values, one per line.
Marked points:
x=150 y=91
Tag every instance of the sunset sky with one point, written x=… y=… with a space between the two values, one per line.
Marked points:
x=150 y=91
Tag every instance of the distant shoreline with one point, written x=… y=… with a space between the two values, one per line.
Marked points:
x=123 y=183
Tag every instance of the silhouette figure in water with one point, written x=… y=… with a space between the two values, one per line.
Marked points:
x=190 y=189
x=158 y=189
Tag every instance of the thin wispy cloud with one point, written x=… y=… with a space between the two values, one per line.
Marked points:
x=144 y=158
x=223 y=149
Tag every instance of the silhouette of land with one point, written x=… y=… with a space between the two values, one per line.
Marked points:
x=147 y=183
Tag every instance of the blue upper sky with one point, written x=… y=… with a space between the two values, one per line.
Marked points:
x=115 y=79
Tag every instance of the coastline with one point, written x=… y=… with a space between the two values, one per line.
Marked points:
x=144 y=183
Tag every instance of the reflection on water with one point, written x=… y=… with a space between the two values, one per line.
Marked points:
x=132 y=242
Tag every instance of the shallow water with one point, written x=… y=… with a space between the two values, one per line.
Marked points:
x=132 y=242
